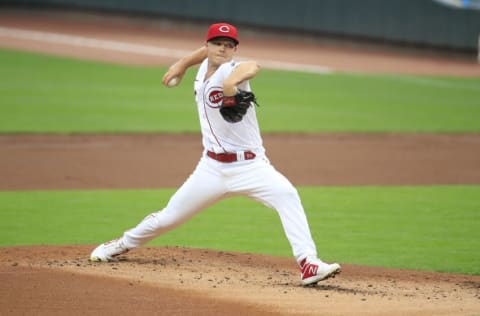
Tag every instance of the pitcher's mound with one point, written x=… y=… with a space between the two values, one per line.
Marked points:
x=46 y=280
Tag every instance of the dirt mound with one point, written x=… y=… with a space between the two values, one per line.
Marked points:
x=172 y=280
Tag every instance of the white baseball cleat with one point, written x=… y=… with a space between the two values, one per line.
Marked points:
x=108 y=251
x=314 y=270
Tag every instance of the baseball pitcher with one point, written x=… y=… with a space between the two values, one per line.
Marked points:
x=233 y=161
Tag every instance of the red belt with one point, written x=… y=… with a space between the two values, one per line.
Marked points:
x=231 y=157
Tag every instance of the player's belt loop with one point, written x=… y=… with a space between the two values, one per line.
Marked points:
x=231 y=157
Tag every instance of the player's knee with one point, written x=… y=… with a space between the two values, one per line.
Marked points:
x=287 y=192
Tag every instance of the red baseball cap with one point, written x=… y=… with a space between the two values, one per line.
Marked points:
x=222 y=30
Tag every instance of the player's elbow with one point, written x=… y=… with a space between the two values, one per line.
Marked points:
x=256 y=66
x=253 y=68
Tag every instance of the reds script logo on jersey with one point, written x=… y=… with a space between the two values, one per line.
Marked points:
x=214 y=97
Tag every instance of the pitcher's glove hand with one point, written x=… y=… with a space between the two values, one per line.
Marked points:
x=233 y=108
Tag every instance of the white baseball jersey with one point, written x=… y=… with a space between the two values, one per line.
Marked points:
x=219 y=135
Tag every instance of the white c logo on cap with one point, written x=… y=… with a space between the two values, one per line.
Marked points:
x=224 y=29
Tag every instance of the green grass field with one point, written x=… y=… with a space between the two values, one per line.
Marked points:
x=427 y=228
x=53 y=95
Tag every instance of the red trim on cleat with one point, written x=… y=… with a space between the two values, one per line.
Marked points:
x=313 y=271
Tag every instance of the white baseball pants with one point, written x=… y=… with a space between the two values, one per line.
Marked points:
x=212 y=181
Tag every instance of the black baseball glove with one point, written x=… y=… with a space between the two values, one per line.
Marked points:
x=233 y=108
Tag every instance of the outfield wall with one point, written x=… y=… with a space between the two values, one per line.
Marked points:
x=424 y=23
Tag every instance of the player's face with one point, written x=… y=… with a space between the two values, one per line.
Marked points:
x=220 y=50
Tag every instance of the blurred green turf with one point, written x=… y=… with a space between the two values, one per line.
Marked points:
x=56 y=95
x=426 y=228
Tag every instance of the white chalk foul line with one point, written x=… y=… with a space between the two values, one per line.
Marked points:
x=124 y=47
x=73 y=40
